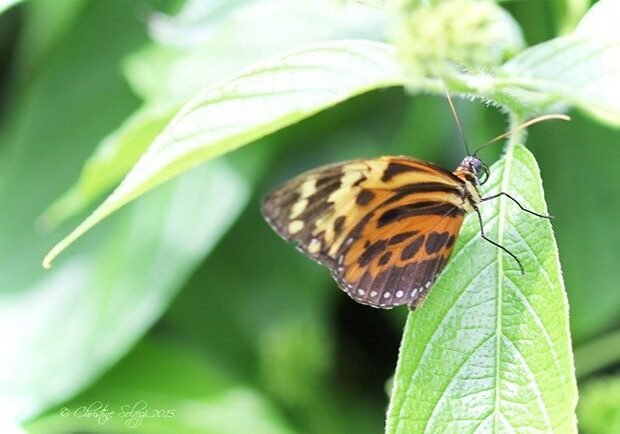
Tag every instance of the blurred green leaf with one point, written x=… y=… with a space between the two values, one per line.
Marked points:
x=599 y=406
x=585 y=205
x=194 y=52
x=581 y=69
x=62 y=328
x=263 y=99
x=86 y=312
x=44 y=27
x=294 y=356
x=208 y=41
x=597 y=354
x=571 y=69
x=111 y=161
x=162 y=387
x=569 y=12
x=490 y=349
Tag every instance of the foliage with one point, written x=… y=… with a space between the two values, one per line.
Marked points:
x=598 y=409
x=490 y=350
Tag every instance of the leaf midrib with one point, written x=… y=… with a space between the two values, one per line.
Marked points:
x=502 y=219
x=501 y=215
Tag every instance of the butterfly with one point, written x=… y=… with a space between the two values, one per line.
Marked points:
x=385 y=227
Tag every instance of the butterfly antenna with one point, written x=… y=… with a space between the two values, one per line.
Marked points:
x=523 y=126
x=458 y=122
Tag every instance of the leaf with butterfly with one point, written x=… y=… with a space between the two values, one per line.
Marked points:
x=491 y=350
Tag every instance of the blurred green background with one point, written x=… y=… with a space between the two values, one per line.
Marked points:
x=184 y=312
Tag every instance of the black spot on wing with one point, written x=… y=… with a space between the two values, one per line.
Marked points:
x=423 y=187
x=450 y=241
x=435 y=241
x=398 y=238
x=417 y=209
x=359 y=181
x=385 y=258
x=371 y=252
x=339 y=225
x=394 y=169
x=364 y=197
x=411 y=249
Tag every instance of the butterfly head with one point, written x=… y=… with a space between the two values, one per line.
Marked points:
x=476 y=167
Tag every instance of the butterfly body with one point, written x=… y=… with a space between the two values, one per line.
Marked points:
x=385 y=227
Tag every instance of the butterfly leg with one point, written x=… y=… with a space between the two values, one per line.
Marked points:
x=495 y=196
x=496 y=244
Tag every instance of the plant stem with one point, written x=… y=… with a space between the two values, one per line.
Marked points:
x=517 y=136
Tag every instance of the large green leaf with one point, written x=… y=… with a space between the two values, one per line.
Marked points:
x=490 y=351
x=263 y=99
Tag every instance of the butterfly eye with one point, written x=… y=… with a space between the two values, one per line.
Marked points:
x=484 y=176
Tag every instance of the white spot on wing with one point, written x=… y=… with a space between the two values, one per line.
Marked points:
x=386 y=294
x=399 y=293
x=314 y=246
x=295 y=226
x=308 y=188
x=298 y=208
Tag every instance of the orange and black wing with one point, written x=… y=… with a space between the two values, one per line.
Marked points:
x=385 y=227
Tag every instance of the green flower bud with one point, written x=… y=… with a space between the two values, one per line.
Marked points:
x=475 y=35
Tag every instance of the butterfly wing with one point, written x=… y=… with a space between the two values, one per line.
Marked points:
x=396 y=256
x=385 y=227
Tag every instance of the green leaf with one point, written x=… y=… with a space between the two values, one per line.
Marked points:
x=267 y=97
x=490 y=349
x=581 y=69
